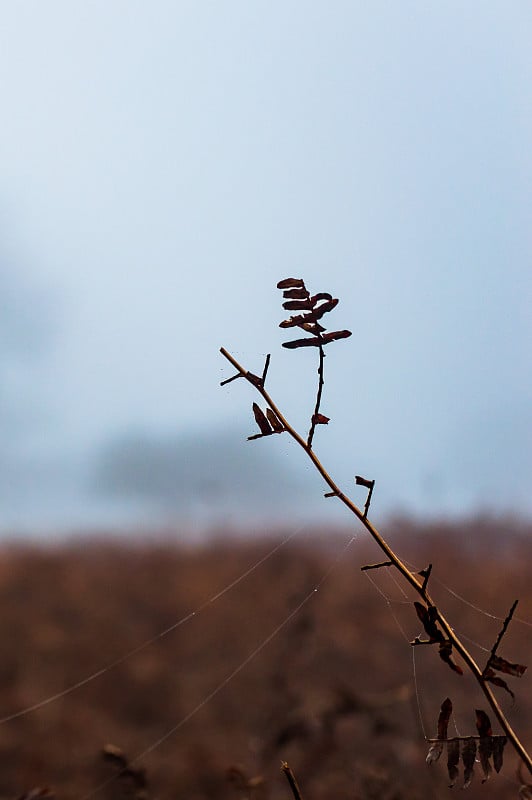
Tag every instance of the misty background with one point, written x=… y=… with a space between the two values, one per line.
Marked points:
x=163 y=165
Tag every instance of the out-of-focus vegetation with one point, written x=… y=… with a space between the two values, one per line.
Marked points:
x=333 y=693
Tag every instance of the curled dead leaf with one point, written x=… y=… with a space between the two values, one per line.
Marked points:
x=502 y=665
x=469 y=752
x=445 y=651
x=497 y=747
x=297 y=305
x=291 y=283
x=489 y=675
x=274 y=421
x=335 y=335
x=296 y=294
x=261 y=421
x=453 y=758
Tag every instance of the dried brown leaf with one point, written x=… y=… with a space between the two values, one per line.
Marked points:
x=297 y=305
x=261 y=421
x=334 y=336
x=291 y=322
x=311 y=327
x=320 y=419
x=502 y=665
x=291 y=283
x=312 y=341
x=483 y=723
x=485 y=746
x=446 y=710
x=444 y=716
x=469 y=751
x=324 y=307
x=435 y=751
x=445 y=652
x=453 y=757
x=274 y=421
x=484 y=753
x=296 y=294
x=489 y=675
x=427 y=617
x=497 y=747
x=321 y=296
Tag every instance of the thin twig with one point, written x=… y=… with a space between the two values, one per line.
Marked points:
x=501 y=634
x=290 y=777
x=315 y=416
x=377 y=566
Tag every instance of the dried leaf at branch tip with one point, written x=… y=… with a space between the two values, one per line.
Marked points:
x=360 y=481
x=297 y=305
x=320 y=419
x=261 y=421
x=274 y=421
x=445 y=652
x=291 y=283
x=469 y=751
x=497 y=747
x=325 y=307
x=321 y=296
x=453 y=758
x=335 y=335
x=501 y=665
x=489 y=675
x=313 y=341
x=296 y=294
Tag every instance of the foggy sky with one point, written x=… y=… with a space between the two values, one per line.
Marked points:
x=164 y=165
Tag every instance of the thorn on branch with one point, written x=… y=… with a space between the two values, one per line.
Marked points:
x=360 y=481
x=331 y=494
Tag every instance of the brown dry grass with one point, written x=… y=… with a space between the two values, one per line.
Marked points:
x=332 y=694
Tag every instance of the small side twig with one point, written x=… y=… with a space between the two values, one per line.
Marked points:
x=425 y=574
x=377 y=566
x=501 y=634
x=290 y=777
x=370 y=485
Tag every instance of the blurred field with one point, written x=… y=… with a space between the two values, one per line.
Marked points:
x=333 y=693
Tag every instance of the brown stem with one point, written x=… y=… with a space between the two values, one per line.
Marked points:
x=290 y=777
x=314 y=420
x=409 y=576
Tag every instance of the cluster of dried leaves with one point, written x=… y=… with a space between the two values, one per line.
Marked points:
x=298 y=298
x=489 y=746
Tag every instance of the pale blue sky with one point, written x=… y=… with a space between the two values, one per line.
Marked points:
x=164 y=164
